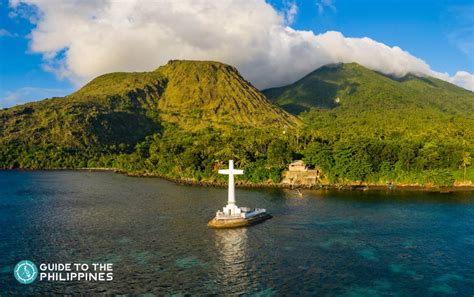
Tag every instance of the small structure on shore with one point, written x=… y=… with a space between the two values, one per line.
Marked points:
x=297 y=166
x=233 y=216
x=298 y=174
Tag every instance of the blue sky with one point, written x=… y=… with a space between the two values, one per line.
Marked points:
x=425 y=28
x=439 y=32
x=22 y=77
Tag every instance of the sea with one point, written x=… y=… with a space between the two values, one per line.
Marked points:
x=154 y=234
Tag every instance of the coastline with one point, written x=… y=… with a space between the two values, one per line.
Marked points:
x=363 y=186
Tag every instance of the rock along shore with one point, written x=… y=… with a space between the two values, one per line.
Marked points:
x=355 y=186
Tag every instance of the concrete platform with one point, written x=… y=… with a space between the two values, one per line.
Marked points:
x=238 y=222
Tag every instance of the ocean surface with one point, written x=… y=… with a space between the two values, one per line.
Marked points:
x=154 y=232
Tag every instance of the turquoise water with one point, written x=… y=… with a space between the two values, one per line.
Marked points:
x=155 y=234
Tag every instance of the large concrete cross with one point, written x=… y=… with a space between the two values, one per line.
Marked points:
x=231 y=172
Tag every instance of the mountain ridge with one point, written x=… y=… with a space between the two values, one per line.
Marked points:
x=184 y=120
x=124 y=107
x=321 y=87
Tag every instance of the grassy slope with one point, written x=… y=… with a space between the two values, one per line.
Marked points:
x=202 y=94
x=108 y=110
x=124 y=108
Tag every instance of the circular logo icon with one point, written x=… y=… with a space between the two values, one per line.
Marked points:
x=25 y=272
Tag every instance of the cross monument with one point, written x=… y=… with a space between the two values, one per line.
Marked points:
x=231 y=172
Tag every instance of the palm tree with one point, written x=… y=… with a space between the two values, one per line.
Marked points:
x=242 y=161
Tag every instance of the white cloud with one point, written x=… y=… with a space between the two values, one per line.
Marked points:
x=80 y=40
x=291 y=10
x=464 y=79
x=27 y=94
x=461 y=78
x=323 y=4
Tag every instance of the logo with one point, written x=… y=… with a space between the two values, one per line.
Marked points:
x=25 y=272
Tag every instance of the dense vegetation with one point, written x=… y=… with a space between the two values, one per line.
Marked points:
x=120 y=108
x=263 y=153
x=409 y=130
x=186 y=119
x=353 y=88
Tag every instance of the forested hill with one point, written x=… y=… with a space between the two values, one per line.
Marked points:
x=348 y=100
x=353 y=87
x=362 y=123
x=123 y=108
x=187 y=118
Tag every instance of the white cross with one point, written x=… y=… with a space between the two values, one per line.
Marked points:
x=231 y=172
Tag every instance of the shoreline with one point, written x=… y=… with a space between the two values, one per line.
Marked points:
x=249 y=185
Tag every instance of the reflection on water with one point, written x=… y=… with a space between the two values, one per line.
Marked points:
x=156 y=235
x=233 y=263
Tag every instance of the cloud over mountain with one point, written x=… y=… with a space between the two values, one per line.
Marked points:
x=80 y=40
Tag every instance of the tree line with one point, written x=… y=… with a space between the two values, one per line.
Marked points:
x=262 y=153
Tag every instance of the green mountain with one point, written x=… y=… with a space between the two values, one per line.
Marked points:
x=123 y=108
x=186 y=119
x=348 y=99
x=352 y=86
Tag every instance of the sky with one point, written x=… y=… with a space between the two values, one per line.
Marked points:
x=52 y=48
